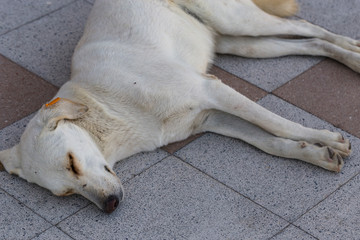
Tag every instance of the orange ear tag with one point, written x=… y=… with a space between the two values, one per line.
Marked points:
x=52 y=102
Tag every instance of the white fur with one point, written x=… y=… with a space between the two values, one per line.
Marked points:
x=139 y=82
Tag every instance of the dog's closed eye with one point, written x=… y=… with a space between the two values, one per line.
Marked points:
x=107 y=169
x=73 y=165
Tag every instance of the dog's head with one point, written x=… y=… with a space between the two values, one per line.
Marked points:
x=62 y=157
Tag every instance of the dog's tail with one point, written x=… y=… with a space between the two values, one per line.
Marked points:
x=280 y=8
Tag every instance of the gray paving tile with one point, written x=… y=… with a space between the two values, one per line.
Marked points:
x=286 y=187
x=54 y=234
x=10 y=135
x=17 y=221
x=43 y=202
x=341 y=17
x=172 y=200
x=293 y=233
x=267 y=74
x=134 y=165
x=45 y=46
x=14 y=13
x=338 y=217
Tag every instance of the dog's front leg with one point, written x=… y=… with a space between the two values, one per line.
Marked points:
x=232 y=126
x=223 y=98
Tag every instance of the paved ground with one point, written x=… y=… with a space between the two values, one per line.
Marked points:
x=210 y=187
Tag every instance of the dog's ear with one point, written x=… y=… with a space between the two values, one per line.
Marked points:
x=10 y=161
x=61 y=109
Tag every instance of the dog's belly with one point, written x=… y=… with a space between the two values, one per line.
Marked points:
x=193 y=41
x=158 y=26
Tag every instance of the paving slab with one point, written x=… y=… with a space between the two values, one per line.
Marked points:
x=286 y=187
x=130 y=167
x=338 y=216
x=172 y=200
x=10 y=135
x=293 y=233
x=267 y=74
x=14 y=13
x=17 y=221
x=46 y=45
x=248 y=90
x=43 y=202
x=341 y=17
x=54 y=234
x=21 y=92
x=322 y=90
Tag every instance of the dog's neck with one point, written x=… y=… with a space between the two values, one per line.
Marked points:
x=115 y=133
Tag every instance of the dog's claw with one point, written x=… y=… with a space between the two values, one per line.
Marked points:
x=331 y=152
x=339 y=159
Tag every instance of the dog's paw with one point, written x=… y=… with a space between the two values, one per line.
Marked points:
x=333 y=160
x=336 y=141
x=333 y=152
x=348 y=43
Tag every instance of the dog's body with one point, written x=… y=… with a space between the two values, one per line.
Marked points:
x=139 y=82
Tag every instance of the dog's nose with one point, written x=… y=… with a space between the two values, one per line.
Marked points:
x=111 y=203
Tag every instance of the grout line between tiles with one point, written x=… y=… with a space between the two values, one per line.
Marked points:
x=38 y=234
x=243 y=79
x=300 y=74
x=74 y=213
x=322 y=200
x=292 y=226
x=13 y=197
x=35 y=19
x=173 y=154
x=312 y=114
x=89 y=2
x=20 y=66
x=232 y=189
x=1 y=129
x=146 y=169
x=278 y=233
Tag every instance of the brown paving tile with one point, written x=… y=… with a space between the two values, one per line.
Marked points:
x=330 y=91
x=173 y=147
x=245 y=88
x=21 y=92
x=240 y=85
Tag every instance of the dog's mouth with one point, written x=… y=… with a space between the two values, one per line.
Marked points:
x=107 y=203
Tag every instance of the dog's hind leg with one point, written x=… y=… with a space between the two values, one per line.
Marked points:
x=217 y=95
x=268 y=47
x=232 y=126
x=245 y=18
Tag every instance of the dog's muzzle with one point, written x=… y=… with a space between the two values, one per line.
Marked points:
x=112 y=202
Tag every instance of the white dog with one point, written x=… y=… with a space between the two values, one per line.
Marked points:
x=139 y=82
